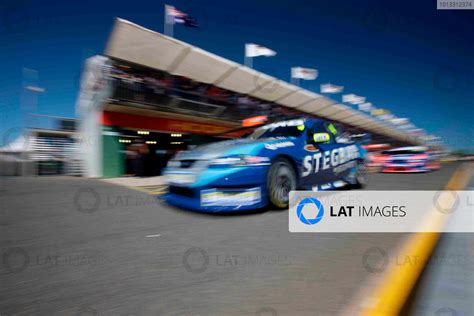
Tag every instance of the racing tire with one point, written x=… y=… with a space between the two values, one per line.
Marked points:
x=361 y=176
x=281 y=179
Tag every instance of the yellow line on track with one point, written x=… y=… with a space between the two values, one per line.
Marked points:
x=399 y=280
x=153 y=190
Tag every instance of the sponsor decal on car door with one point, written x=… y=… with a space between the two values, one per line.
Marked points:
x=330 y=162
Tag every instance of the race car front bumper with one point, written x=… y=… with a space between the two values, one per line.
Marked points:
x=218 y=189
x=207 y=199
x=404 y=168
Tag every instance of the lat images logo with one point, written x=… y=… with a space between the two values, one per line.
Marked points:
x=313 y=205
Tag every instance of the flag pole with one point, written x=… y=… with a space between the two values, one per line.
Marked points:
x=293 y=80
x=168 y=25
x=248 y=61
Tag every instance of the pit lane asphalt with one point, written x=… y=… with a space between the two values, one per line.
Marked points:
x=72 y=246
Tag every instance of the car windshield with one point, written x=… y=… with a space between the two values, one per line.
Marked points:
x=403 y=152
x=278 y=130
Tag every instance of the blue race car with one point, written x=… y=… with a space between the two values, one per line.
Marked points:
x=253 y=172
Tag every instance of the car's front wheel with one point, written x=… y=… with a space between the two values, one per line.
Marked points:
x=281 y=180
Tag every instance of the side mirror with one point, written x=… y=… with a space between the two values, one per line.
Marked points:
x=321 y=137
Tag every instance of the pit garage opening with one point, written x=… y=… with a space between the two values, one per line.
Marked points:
x=143 y=153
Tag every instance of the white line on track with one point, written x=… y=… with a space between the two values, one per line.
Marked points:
x=153 y=236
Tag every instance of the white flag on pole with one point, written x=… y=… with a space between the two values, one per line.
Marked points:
x=400 y=121
x=330 y=88
x=366 y=107
x=418 y=131
x=348 y=97
x=304 y=73
x=254 y=50
x=353 y=99
x=387 y=117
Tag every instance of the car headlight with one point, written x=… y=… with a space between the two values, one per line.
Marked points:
x=173 y=164
x=238 y=161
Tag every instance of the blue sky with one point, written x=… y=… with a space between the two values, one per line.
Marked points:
x=404 y=56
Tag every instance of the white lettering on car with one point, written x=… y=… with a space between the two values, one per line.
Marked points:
x=316 y=158
x=279 y=145
x=326 y=160
x=334 y=157
x=330 y=159
x=342 y=155
x=307 y=166
x=283 y=124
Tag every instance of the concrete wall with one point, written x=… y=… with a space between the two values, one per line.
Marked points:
x=14 y=164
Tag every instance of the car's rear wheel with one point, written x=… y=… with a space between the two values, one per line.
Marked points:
x=281 y=180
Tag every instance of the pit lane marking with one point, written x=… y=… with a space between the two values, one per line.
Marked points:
x=153 y=236
x=155 y=190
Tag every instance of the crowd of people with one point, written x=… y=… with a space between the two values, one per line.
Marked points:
x=148 y=87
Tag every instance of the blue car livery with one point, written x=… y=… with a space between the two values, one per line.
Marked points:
x=261 y=170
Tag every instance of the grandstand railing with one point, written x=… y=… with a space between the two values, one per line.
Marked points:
x=172 y=99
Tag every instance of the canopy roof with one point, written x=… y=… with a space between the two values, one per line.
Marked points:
x=131 y=42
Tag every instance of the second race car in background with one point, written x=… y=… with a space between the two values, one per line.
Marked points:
x=253 y=172
x=375 y=159
x=409 y=159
